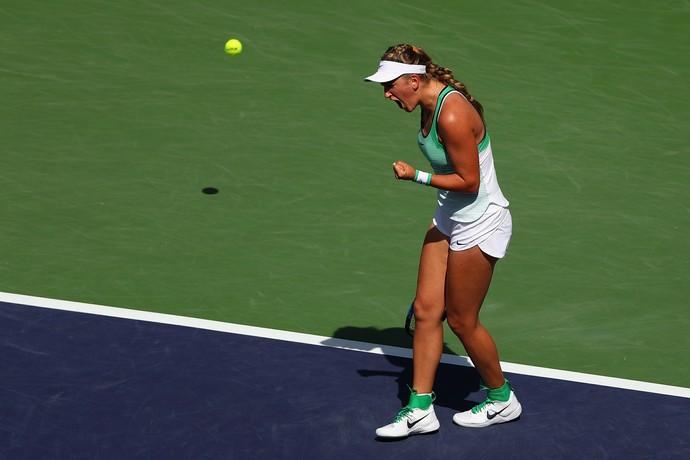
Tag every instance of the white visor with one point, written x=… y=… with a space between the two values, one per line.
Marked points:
x=390 y=70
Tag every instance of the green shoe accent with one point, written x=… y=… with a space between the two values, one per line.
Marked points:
x=478 y=408
x=420 y=401
x=403 y=412
x=500 y=394
x=497 y=394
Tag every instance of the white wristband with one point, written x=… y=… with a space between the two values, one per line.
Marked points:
x=422 y=177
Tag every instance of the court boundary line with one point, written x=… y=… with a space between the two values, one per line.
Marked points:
x=310 y=339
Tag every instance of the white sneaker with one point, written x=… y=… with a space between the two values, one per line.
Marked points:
x=490 y=412
x=410 y=421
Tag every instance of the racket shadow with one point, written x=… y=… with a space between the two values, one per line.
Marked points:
x=453 y=382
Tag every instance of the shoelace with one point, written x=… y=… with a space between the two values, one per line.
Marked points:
x=481 y=406
x=404 y=412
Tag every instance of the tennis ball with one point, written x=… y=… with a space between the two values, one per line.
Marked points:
x=233 y=47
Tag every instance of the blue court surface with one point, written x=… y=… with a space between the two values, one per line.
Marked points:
x=90 y=385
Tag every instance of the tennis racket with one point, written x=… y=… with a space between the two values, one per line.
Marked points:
x=409 y=320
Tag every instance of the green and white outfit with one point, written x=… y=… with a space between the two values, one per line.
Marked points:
x=469 y=219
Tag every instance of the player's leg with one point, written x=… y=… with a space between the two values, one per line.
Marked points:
x=418 y=416
x=429 y=305
x=468 y=279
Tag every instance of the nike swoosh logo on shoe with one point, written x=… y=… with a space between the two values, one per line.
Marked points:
x=491 y=414
x=410 y=425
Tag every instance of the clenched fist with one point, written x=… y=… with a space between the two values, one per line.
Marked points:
x=403 y=171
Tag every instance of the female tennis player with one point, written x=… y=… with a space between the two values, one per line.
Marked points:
x=470 y=231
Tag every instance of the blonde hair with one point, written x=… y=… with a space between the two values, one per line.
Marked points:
x=409 y=54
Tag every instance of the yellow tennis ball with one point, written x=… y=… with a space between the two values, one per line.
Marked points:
x=233 y=47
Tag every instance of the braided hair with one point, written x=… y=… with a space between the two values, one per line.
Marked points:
x=409 y=54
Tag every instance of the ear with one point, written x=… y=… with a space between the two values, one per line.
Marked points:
x=415 y=81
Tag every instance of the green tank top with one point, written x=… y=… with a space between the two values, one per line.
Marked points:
x=461 y=207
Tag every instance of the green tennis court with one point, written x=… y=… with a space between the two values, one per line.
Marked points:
x=116 y=115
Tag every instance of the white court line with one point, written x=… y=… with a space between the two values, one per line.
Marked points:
x=309 y=339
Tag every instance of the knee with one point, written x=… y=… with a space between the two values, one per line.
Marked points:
x=427 y=311
x=462 y=326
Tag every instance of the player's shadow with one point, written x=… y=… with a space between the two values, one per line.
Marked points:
x=454 y=382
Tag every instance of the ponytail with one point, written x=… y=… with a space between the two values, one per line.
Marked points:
x=446 y=77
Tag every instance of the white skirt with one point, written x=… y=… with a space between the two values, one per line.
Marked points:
x=491 y=232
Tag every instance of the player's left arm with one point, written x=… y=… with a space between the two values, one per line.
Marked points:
x=456 y=128
x=459 y=126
